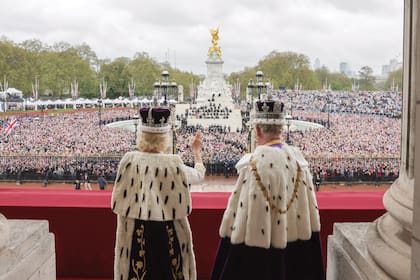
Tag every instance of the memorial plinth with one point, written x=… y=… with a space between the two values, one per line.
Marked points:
x=29 y=253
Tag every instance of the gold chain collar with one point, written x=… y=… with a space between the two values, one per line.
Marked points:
x=265 y=191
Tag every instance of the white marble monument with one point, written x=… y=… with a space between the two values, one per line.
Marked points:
x=214 y=93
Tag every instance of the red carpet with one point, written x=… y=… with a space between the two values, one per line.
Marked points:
x=84 y=226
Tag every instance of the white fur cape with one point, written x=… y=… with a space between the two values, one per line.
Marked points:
x=249 y=218
x=153 y=187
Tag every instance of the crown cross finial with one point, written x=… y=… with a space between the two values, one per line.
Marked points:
x=265 y=108
x=162 y=120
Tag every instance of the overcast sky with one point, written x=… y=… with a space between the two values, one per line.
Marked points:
x=360 y=32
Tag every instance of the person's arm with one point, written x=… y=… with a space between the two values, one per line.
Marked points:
x=196 y=145
x=196 y=174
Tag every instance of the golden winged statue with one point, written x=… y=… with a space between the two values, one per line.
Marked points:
x=214 y=36
x=214 y=39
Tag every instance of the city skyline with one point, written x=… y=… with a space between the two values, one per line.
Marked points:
x=360 y=33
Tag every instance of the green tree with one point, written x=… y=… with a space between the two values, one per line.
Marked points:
x=323 y=76
x=87 y=54
x=116 y=76
x=33 y=46
x=144 y=71
x=367 y=80
x=282 y=69
x=339 y=81
x=286 y=68
x=13 y=61
x=394 y=80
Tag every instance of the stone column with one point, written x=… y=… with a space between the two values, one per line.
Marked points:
x=4 y=231
x=415 y=241
x=29 y=252
x=389 y=237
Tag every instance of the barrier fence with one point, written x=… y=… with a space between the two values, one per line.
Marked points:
x=71 y=168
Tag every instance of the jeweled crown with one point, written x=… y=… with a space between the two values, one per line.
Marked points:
x=155 y=119
x=268 y=110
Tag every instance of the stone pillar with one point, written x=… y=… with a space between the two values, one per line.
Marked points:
x=29 y=253
x=4 y=232
x=415 y=240
x=393 y=240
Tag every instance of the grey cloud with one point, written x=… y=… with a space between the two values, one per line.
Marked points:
x=365 y=32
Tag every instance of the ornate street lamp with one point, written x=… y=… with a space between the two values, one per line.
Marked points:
x=329 y=109
x=165 y=88
x=258 y=87
x=99 y=112
x=250 y=92
x=136 y=120
x=288 y=123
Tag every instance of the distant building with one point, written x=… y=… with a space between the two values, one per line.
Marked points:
x=345 y=68
x=393 y=65
x=317 y=63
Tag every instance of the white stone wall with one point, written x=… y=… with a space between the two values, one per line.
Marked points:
x=30 y=252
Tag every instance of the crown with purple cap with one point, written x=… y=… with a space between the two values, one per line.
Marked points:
x=155 y=119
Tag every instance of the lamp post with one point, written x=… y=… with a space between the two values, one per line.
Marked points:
x=99 y=112
x=291 y=104
x=258 y=87
x=136 y=123
x=165 y=88
x=250 y=92
x=173 y=139
x=328 y=121
x=288 y=123
x=328 y=110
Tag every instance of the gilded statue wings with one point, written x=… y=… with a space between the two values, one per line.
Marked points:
x=215 y=35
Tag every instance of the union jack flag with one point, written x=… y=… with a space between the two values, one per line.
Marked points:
x=10 y=126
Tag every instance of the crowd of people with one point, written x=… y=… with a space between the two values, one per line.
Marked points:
x=208 y=111
x=360 y=139
x=386 y=103
x=222 y=148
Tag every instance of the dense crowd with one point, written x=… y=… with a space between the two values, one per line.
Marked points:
x=221 y=150
x=368 y=103
x=207 y=111
x=360 y=140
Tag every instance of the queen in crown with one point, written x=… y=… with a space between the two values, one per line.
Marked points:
x=151 y=198
x=270 y=228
